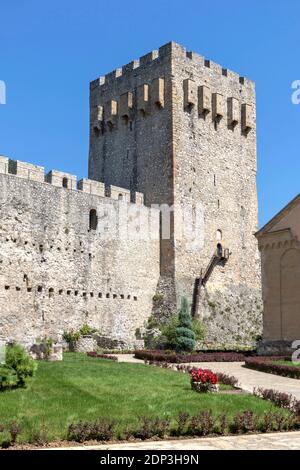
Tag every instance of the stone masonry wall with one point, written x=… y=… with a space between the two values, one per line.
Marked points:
x=214 y=136
x=130 y=132
x=190 y=141
x=57 y=274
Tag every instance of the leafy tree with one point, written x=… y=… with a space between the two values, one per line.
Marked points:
x=185 y=337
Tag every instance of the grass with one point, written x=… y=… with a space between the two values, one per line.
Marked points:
x=86 y=388
x=287 y=363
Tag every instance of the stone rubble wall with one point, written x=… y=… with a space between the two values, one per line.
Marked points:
x=214 y=139
x=181 y=129
x=56 y=274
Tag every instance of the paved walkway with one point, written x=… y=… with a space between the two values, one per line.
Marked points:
x=272 y=441
x=248 y=378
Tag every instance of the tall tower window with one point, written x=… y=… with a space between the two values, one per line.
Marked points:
x=65 y=182
x=219 y=235
x=93 y=219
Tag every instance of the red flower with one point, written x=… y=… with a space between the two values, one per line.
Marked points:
x=204 y=376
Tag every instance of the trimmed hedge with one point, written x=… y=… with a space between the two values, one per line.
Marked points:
x=266 y=364
x=160 y=356
x=101 y=356
x=280 y=399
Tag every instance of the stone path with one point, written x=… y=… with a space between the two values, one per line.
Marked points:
x=248 y=379
x=272 y=441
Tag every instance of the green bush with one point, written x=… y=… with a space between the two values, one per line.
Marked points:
x=86 y=330
x=169 y=330
x=8 y=377
x=152 y=323
x=18 y=367
x=185 y=337
x=72 y=336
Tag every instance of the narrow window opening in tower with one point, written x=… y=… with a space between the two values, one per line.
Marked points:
x=219 y=235
x=120 y=197
x=93 y=219
x=215 y=180
x=218 y=203
x=130 y=125
x=65 y=182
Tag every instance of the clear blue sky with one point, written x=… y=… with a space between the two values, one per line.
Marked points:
x=49 y=52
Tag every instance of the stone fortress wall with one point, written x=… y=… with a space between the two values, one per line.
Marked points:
x=173 y=129
x=214 y=138
x=182 y=130
x=58 y=270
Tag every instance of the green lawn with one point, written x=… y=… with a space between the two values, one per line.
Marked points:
x=86 y=388
x=287 y=363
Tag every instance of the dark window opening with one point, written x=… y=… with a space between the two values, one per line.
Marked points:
x=65 y=182
x=93 y=219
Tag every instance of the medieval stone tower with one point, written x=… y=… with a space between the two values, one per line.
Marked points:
x=169 y=209
x=182 y=130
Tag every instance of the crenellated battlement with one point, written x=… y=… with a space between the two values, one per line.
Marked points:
x=67 y=181
x=145 y=86
x=166 y=50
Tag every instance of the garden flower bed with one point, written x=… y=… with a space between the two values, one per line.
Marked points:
x=162 y=356
x=274 y=365
x=204 y=380
x=102 y=356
